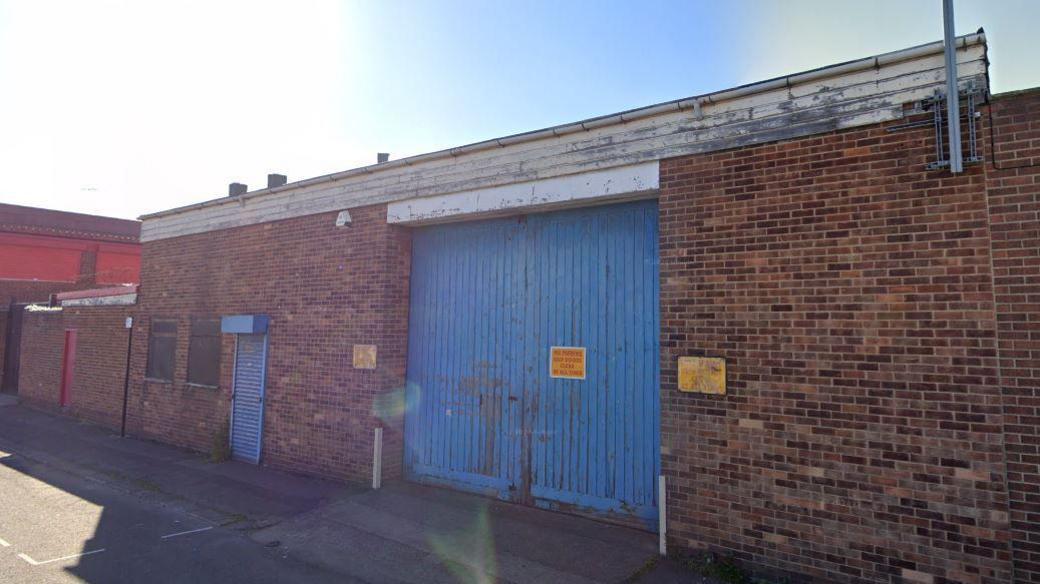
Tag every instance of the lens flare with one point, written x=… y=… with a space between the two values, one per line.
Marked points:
x=470 y=553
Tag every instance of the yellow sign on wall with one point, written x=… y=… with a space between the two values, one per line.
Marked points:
x=702 y=375
x=567 y=362
x=364 y=356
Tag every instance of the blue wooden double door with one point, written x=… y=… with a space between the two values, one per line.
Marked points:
x=489 y=301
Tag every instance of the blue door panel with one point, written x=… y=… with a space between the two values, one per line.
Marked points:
x=464 y=385
x=595 y=277
x=488 y=300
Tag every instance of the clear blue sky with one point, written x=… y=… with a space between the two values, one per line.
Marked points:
x=123 y=108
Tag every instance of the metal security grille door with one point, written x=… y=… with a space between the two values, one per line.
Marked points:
x=488 y=301
x=247 y=401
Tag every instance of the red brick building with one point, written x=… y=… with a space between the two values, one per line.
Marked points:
x=74 y=354
x=775 y=297
x=43 y=252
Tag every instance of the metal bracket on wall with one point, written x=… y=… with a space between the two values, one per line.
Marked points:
x=936 y=105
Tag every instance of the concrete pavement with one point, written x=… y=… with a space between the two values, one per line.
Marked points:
x=411 y=533
x=79 y=503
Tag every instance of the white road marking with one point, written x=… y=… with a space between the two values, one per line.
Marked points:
x=4 y=543
x=36 y=563
x=186 y=532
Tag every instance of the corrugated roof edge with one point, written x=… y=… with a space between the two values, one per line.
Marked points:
x=685 y=103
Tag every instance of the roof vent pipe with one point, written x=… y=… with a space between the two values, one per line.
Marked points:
x=236 y=189
x=953 y=105
x=382 y=157
x=276 y=180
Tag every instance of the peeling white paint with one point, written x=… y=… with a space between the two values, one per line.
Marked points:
x=119 y=300
x=813 y=103
x=42 y=308
x=625 y=182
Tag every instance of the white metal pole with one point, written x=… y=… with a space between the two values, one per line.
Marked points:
x=662 y=517
x=377 y=459
x=953 y=104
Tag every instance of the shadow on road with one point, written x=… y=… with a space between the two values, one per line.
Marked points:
x=79 y=499
x=162 y=514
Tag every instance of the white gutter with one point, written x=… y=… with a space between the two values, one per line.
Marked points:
x=607 y=120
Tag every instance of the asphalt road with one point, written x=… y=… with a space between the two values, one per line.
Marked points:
x=57 y=526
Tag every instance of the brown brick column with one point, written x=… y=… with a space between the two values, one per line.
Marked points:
x=1013 y=185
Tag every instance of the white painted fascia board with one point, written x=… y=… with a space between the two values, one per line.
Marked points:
x=119 y=300
x=875 y=62
x=624 y=182
x=846 y=97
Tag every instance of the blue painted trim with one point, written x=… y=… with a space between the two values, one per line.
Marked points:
x=244 y=324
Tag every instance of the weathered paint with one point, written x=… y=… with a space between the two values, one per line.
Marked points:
x=702 y=375
x=640 y=180
x=365 y=356
x=488 y=302
x=463 y=422
x=247 y=402
x=114 y=300
x=833 y=98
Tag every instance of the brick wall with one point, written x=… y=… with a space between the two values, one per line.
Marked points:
x=3 y=341
x=43 y=342
x=880 y=324
x=325 y=289
x=1013 y=181
x=851 y=293
x=101 y=351
x=96 y=393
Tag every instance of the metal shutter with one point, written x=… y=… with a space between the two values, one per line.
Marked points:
x=247 y=406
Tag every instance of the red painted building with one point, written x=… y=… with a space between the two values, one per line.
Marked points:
x=43 y=252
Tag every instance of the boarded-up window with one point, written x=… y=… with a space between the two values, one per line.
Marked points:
x=162 y=348
x=204 y=352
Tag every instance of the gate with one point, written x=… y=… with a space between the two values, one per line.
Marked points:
x=12 y=347
x=247 y=398
x=489 y=300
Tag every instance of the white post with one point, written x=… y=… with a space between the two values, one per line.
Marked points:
x=662 y=517
x=377 y=459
